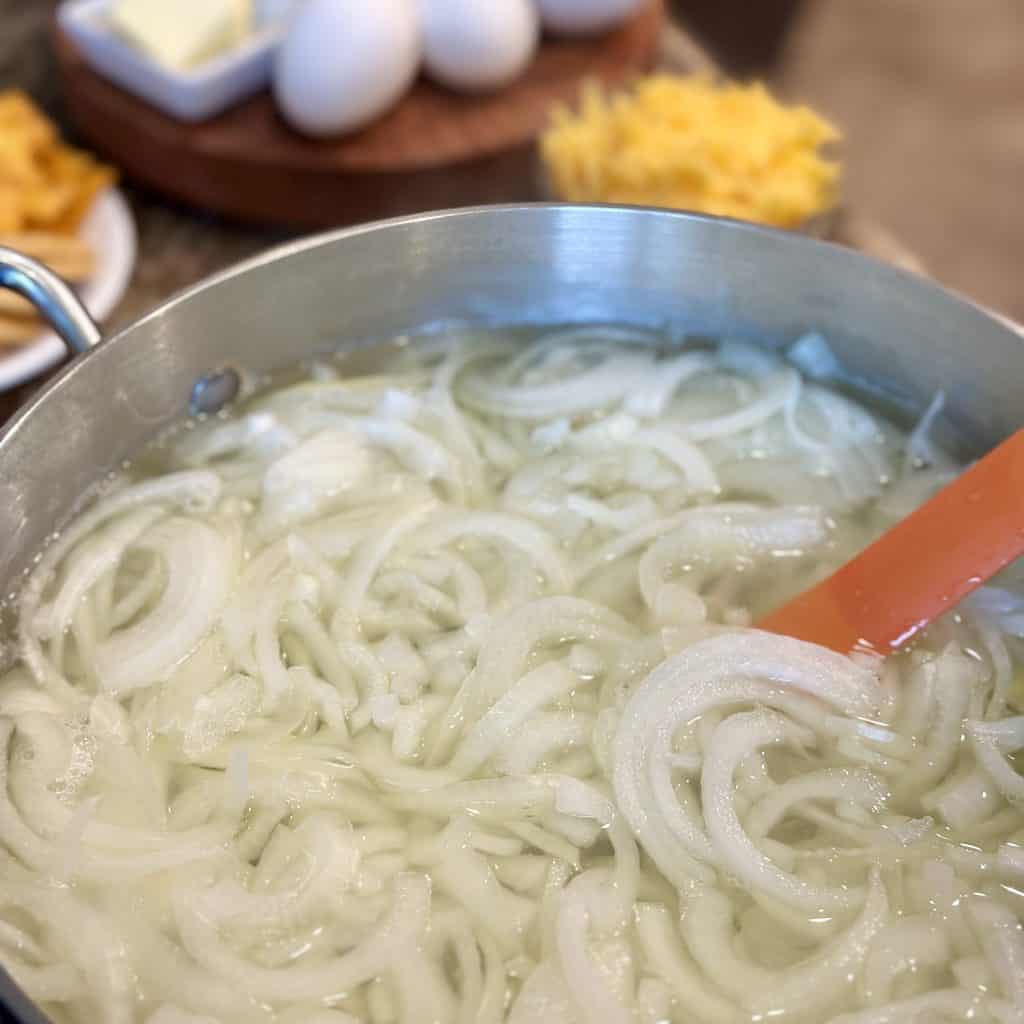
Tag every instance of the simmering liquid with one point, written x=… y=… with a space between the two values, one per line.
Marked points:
x=430 y=694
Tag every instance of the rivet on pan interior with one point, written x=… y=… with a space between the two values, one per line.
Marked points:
x=212 y=392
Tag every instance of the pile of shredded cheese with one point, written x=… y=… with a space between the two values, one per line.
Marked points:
x=687 y=143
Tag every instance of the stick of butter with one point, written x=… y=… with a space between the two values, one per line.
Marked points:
x=185 y=33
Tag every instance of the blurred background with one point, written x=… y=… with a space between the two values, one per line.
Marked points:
x=928 y=96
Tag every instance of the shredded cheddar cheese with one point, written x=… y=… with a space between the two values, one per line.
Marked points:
x=686 y=143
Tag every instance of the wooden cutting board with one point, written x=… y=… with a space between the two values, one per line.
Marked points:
x=435 y=149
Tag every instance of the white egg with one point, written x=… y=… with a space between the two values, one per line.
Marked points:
x=342 y=63
x=475 y=45
x=585 y=17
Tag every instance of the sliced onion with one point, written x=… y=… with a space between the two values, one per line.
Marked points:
x=549 y=733
x=653 y=400
x=416 y=450
x=779 y=390
x=194 y=491
x=371 y=556
x=727 y=669
x=990 y=740
x=466 y=877
x=732 y=742
x=673 y=964
x=86 y=940
x=692 y=523
x=544 y=997
x=1002 y=940
x=56 y=861
x=510 y=641
x=588 y=987
x=914 y=944
x=365 y=700
x=954 y=675
x=673 y=446
x=457 y=430
x=818 y=982
x=833 y=784
x=719 y=536
x=532 y=692
x=88 y=564
x=948 y=1003
x=966 y=801
x=707 y=929
x=397 y=933
x=579 y=800
x=200 y=572
x=517 y=533
x=608 y=382
x=300 y=483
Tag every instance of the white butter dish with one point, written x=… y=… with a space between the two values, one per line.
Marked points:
x=194 y=94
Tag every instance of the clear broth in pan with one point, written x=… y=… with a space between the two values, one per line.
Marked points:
x=421 y=686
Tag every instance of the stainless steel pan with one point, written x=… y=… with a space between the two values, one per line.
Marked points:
x=505 y=265
x=895 y=333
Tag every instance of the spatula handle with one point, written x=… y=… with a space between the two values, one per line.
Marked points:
x=920 y=568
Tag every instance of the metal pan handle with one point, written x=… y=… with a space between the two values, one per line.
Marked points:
x=57 y=303
x=61 y=309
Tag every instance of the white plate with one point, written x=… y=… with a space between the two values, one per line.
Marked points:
x=110 y=231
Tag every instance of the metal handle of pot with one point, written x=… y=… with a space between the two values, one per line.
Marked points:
x=53 y=298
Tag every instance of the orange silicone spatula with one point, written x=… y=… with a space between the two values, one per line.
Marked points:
x=921 y=567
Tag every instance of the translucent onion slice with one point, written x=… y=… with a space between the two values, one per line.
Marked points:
x=731 y=668
x=720 y=537
x=608 y=382
x=589 y=989
x=733 y=742
x=513 y=531
x=195 y=491
x=394 y=936
x=201 y=565
x=991 y=742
